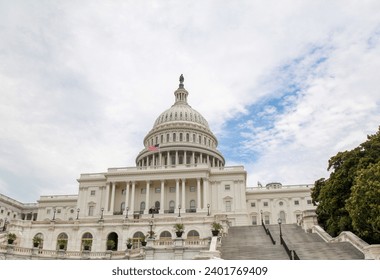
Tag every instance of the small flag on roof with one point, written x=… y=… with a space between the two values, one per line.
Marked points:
x=154 y=148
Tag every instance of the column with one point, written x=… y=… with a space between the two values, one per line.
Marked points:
x=205 y=193
x=126 y=197
x=162 y=203
x=132 y=208
x=184 y=157
x=160 y=163
x=176 y=157
x=198 y=194
x=106 y=206
x=113 y=198
x=176 y=195
x=183 y=203
x=147 y=203
x=193 y=159
x=168 y=159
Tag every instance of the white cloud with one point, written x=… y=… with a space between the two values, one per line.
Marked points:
x=82 y=83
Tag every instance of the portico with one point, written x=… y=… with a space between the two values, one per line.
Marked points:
x=158 y=195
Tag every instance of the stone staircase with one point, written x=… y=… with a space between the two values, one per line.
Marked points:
x=310 y=246
x=252 y=243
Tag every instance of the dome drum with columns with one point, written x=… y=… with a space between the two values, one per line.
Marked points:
x=180 y=136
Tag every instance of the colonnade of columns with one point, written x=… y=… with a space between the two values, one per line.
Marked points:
x=180 y=200
x=178 y=157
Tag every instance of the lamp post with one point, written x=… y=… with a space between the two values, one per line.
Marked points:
x=279 y=221
x=126 y=212
x=54 y=211
x=179 y=210
x=208 y=209
x=101 y=214
x=151 y=230
x=78 y=213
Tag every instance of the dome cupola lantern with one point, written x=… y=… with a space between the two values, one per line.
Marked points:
x=181 y=93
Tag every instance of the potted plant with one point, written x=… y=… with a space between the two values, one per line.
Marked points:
x=216 y=228
x=87 y=245
x=11 y=237
x=179 y=229
x=111 y=244
x=62 y=244
x=129 y=243
x=37 y=240
x=143 y=242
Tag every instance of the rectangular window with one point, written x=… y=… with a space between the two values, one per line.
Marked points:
x=266 y=220
x=91 y=210
x=157 y=190
x=58 y=211
x=228 y=206
x=143 y=190
x=92 y=193
x=172 y=189
x=309 y=201
x=227 y=187
x=296 y=202
x=265 y=204
x=192 y=189
x=48 y=211
x=2 y=211
x=253 y=204
x=254 y=220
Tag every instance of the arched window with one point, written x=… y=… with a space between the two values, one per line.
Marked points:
x=157 y=205
x=122 y=206
x=192 y=206
x=181 y=137
x=193 y=234
x=142 y=206
x=38 y=240
x=137 y=238
x=165 y=235
x=174 y=137
x=187 y=137
x=62 y=241
x=86 y=241
x=112 y=241
x=171 y=206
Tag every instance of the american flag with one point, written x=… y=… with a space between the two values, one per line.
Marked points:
x=154 y=148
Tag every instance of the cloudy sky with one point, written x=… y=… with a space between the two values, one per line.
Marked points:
x=284 y=85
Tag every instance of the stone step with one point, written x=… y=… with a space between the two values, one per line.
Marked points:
x=251 y=242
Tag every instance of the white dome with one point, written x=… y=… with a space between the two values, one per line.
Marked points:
x=181 y=113
x=182 y=135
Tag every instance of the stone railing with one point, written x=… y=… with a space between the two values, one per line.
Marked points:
x=15 y=252
x=371 y=252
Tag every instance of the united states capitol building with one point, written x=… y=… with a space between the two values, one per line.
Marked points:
x=180 y=178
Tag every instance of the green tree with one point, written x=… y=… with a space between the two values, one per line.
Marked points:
x=331 y=195
x=364 y=204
